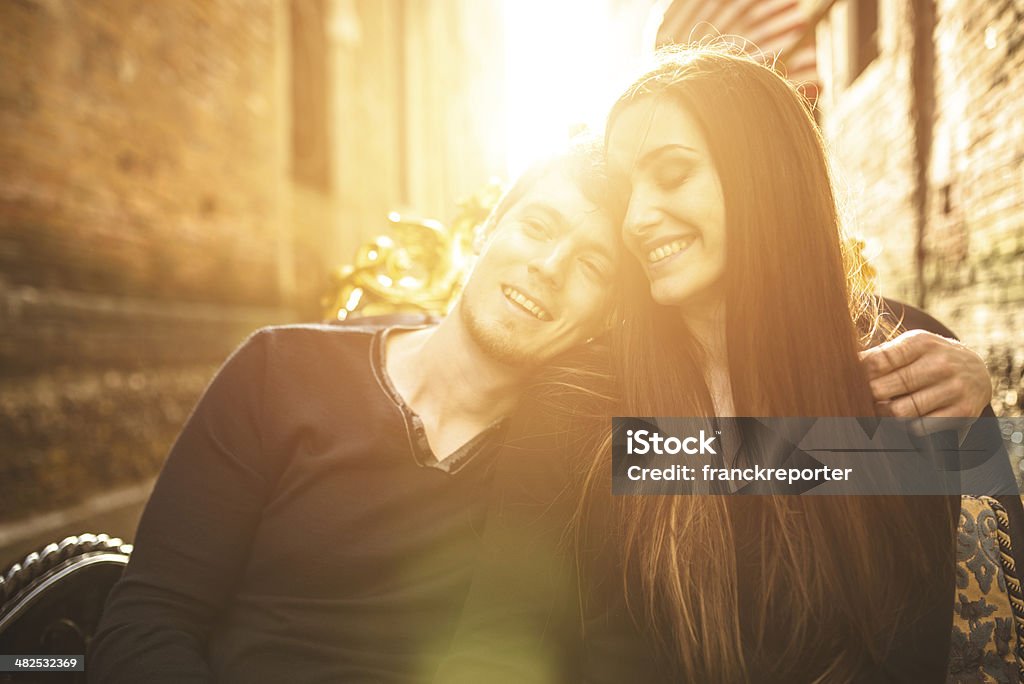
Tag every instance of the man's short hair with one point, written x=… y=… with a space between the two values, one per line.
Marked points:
x=584 y=162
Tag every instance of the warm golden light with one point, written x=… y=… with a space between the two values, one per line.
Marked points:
x=565 y=62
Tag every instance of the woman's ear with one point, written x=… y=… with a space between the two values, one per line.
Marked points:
x=613 y=319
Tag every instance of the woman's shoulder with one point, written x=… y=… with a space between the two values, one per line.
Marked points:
x=907 y=317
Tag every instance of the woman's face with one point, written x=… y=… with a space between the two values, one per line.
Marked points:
x=675 y=224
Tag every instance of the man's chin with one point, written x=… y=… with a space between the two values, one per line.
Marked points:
x=497 y=341
x=501 y=347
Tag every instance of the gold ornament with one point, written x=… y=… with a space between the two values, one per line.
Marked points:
x=419 y=267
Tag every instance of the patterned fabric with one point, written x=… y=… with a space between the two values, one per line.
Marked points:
x=986 y=644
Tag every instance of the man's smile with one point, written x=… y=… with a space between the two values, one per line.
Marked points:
x=526 y=303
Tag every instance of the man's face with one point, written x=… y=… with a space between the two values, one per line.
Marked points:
x=544 y=281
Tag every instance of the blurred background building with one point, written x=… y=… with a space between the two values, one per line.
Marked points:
x=923 y=104
x=178 y=174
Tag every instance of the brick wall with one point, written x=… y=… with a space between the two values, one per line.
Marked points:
x=974 y=267
x=868 y=123
x=969 y=271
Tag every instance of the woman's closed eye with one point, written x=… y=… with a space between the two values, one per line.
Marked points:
x=671 y=175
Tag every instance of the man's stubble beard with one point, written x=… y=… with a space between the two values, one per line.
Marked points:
x=494 y=340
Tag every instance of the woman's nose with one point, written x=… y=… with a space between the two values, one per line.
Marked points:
x=641 y=215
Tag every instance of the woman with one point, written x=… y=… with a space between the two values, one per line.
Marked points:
x=738 y=305
x=751 y=313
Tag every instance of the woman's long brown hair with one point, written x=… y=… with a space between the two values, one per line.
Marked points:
x=758 y=587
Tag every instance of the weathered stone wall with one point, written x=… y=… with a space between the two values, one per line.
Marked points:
x=141 y=236
x=177 y=174
x=142 y=149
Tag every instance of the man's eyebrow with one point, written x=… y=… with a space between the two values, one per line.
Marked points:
x=600 y=246
x=544 y=208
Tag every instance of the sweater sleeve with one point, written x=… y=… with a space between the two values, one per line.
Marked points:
x=193 y=537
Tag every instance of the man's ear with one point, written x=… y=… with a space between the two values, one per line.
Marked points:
x=481 y=234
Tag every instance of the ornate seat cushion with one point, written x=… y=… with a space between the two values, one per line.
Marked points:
x=988 y=610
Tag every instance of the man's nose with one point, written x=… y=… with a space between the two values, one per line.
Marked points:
x=641 y=215
x=550 y=265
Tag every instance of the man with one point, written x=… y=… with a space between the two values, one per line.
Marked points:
x=318 y=517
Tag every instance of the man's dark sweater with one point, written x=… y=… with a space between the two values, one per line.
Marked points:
x=301 y=529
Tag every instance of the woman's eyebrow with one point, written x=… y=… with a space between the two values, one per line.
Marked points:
x=652 y=156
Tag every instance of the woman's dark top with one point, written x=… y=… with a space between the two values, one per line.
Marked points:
x=541 y=610
x=301 y=529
